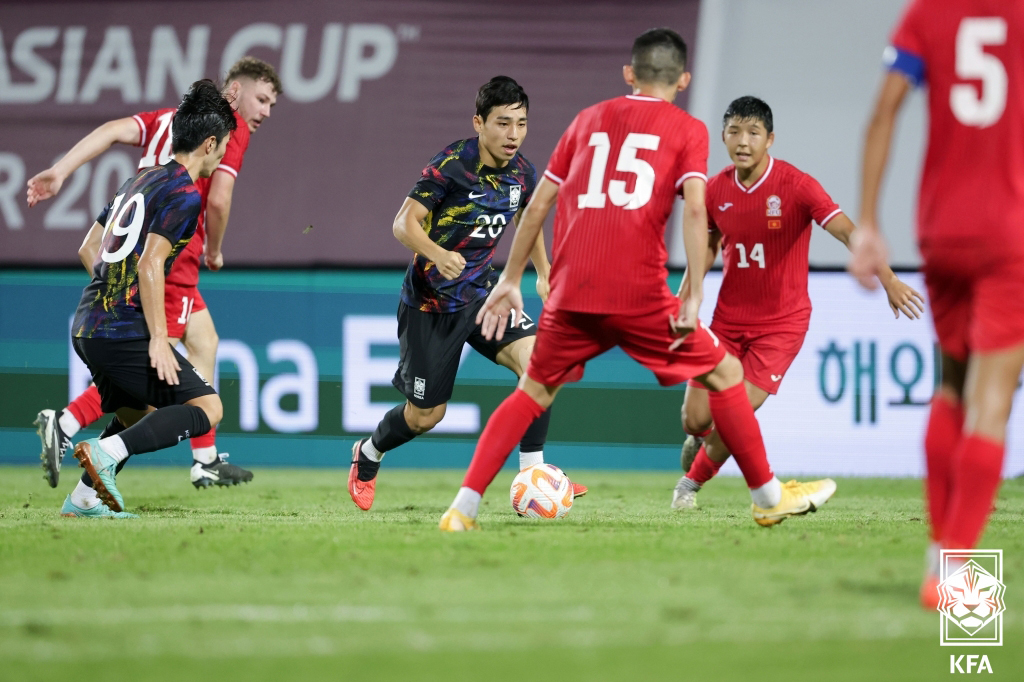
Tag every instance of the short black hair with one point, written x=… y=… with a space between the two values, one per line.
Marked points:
x=659 y=56
x=500 y=91
x=203 y=112
x=749 y=108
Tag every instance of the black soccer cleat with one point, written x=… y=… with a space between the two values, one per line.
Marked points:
x=218 y=473
x=55 y=445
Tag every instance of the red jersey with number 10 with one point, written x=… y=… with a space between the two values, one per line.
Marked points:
x=970 y=53
x=620 y=165
x=766 y=237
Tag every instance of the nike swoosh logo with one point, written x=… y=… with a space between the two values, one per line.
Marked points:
x=476 y=196
x=724 y=206
x=776 y=377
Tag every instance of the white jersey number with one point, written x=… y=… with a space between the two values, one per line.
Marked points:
x=756 y=255
x=494 y=224
x=973 y=63
x=626 y=163
x=130 y=232
x=152 y=158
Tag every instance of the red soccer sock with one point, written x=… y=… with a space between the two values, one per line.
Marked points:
x=703 y=468
x=977 y=470
x=504 y=430
x=945 y=424
x=208 y=439
x=736 y=423
x=86 y=407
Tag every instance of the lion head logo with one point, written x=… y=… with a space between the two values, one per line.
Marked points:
x=971 y=597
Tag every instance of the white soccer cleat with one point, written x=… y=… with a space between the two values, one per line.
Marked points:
x=683 y=497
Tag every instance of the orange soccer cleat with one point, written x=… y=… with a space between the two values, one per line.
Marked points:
x=578 y=490
x=362 y=492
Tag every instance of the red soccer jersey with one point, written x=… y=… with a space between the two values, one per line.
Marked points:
x=971 y=55
x=766 y=236
x=620 y=165
x=156 y=139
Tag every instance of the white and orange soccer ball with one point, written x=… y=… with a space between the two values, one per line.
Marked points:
x=542 y=491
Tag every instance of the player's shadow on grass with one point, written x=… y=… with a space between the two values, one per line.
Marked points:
x=879 y=587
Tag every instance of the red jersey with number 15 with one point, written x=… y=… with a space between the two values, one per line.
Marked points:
x=766 y=237
x=155 y=127
x=620 y=165
x=970 y=53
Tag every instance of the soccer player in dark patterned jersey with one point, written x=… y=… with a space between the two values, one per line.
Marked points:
x=760 y=211
x=970 y=230
x=451 y=221
x=252 y=86
x=120 y=328
x=616 y=171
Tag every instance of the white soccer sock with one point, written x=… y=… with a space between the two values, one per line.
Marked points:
x=68 y=424
x=206 y=455
x=467 y=501
x=768 y=495
x=372 y=453
x=84 y=497
x=114 y=446
x=529 y=459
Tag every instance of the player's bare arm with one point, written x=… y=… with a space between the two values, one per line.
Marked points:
x=695 y=240
x=91 y=246
x=46 y=184
x=218 y=210
x=714 y=246
x=408 y=229
x=868 y=246
x=902 y=297
x=151 y=292
x=506 y=296
x=539 y=258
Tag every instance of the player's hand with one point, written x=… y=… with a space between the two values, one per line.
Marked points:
x=543 y=288
x=162 y=359
x=43 y=186
x=501 y=304
x=687 y=321
x=214 y=261
x=868 y=255
x=450 y=264
x=903 y=297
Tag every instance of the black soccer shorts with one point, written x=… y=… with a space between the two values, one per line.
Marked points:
x=431 y=345
x=120 y=369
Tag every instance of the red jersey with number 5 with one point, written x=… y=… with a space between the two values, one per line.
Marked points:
x=620 y=165
x=766 y=237
x=970 y=53
x=155 y=128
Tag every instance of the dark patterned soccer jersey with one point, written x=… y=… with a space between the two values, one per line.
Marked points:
x=470 y=207
x=159 y=200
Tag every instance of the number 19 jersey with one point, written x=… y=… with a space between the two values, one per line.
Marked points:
x=619 y=165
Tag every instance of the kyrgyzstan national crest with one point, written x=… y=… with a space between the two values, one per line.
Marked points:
x=774 y=207
x=971 y=594
x=515 y=193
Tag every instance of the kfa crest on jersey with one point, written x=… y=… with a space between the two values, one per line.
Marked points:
x=513 y=196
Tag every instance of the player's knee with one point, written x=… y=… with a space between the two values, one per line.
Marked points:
x=694 y=423
x=422 y=420
x=212 y=406
x=727 y=374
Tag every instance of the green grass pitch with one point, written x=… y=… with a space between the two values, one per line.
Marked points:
x=284 y=579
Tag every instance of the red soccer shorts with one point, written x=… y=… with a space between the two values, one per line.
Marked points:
x=976 y=299
x=765 y=355
x=179 y=304
x=185 y=269
x=566 y=340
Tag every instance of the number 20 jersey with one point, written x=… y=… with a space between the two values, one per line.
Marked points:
x=620 y=165
x=970 y=54
x=159 y=200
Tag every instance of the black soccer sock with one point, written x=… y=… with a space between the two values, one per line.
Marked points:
x=392 y=430
x=537 y=434
x=164 y=428
x=112 y=429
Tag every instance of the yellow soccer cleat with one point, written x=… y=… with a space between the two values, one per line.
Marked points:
x=797 y=498
x=455 y=521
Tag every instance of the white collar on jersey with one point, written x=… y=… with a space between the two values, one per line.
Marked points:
x=767 y=172
x=644 y=98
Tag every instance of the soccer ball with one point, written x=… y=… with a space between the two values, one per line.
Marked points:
x=542 y=491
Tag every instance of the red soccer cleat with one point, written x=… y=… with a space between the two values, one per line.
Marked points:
x=930 y=593
x=361 y=491
x=578 y=490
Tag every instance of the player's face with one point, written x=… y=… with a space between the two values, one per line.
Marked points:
x=747 y=141
x=253 y=100
x=215 y=152
x=501 y=134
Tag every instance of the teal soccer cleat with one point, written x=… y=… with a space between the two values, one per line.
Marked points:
x=102 y=470
x=100 y=511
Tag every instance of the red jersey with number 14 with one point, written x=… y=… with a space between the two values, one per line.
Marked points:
x=766 y=237
x=970 y=53
x=155 y=127
x=620 y=165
